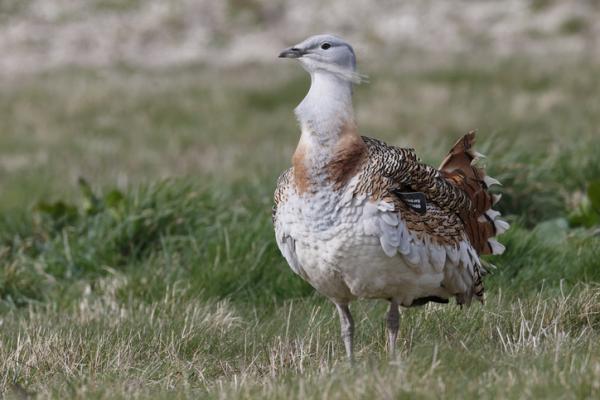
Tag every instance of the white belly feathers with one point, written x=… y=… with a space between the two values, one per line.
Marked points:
x=350 y=247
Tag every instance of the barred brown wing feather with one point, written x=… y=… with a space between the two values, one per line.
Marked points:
x=481 y=221
x=458 y=186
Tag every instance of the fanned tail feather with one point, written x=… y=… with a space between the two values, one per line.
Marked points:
x=482 y=223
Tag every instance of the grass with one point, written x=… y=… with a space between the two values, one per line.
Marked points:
x=160 y=277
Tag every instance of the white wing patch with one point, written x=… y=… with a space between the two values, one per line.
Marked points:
x=458 y=263
x=287 y=246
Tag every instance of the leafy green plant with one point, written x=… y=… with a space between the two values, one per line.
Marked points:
x=587 y=211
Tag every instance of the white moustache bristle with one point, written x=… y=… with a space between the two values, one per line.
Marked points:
x=352 y=76
x=359 y=78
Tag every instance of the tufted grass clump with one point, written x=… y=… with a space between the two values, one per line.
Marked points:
x=218 y=239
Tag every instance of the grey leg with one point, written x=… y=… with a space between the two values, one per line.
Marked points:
x=347 y=325
x=393 y=323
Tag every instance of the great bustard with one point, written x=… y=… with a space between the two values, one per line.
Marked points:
x=357 y=218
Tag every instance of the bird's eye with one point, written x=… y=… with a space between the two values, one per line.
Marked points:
x=325 y=46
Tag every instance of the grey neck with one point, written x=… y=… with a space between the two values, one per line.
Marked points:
x=326 y=108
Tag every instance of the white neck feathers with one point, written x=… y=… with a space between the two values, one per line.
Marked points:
x=330 y=149
x=326 y=108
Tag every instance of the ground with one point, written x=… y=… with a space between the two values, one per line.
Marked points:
x=157 y=274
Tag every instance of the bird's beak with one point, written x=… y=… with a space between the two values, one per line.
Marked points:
x=292 y=52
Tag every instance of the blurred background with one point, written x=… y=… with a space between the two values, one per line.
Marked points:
x=140 y=142
x=41 y=35
x=123 y=91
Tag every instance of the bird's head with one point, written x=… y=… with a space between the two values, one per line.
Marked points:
x=328 y=54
